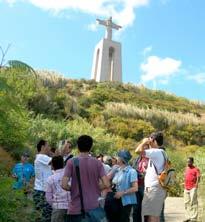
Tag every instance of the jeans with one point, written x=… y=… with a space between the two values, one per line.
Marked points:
x=95 y=215
x=42 y=208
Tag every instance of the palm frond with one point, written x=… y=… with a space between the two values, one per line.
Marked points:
x=21 y=65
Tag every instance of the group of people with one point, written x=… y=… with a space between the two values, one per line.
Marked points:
x=82 y=188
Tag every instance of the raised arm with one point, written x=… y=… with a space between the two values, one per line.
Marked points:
x=141 y=147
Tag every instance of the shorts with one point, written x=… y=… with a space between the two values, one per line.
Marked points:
x=153 y=200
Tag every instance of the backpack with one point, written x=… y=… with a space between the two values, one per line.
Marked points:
x=167 y=177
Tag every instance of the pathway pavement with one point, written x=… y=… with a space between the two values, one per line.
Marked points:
x=174 y=209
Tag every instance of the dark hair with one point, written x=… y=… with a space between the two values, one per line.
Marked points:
x=53 y=149
x=158 y=136
x=57 y=162
x=100 y=156
x=191 y=159
x=85 y=143
x=40 y=144
x=25 y=154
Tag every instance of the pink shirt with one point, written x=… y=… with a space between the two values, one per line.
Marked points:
x=55 y=195
x=91 y=170
x=142 y=164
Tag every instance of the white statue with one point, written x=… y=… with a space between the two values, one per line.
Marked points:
x=107 y=61
x=109 y=25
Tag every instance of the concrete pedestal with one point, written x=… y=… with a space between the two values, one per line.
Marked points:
x=107 y=65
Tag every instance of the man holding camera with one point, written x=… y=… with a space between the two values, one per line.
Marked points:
x=154 y=194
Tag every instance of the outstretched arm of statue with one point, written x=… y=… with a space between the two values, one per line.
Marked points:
x=101 y=22
x=114 y=26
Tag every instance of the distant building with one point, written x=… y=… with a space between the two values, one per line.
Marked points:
x=107 y=62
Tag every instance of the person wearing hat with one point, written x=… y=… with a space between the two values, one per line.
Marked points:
x=125 y=181
x=154 y=194
x=23 y=172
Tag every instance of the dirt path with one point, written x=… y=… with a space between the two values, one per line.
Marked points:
x=174 y=209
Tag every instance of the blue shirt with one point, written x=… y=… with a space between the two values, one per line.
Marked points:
x=23 y=172
x=123 y=180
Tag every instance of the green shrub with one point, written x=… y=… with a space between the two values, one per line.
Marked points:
x=50 y=130
x=129 y=128
x=53 y=131
x=6 y=162
x=178 y=160
x=103 y=142
x=15 y=207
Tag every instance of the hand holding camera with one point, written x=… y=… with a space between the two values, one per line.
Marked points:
x=147 y=141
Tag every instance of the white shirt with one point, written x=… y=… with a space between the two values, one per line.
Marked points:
x=155 y=156
x=42 y=171
x=107 y=168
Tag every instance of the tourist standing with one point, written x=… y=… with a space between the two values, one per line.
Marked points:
x=23 y=172
x=58 y=198
x=154 y=194
x=126 y=184
x=65 y=149
x=42 y=172
x=91 y=172
x=140 y=165
x=191 y=180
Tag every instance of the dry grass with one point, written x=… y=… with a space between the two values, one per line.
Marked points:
x=52 y=78
x=130 y=111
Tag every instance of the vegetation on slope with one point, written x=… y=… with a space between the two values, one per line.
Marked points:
x=40 y=104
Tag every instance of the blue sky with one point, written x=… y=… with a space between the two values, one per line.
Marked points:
x=162 y=40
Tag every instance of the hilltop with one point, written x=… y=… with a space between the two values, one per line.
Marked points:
x=121 y=93
x=43 y=104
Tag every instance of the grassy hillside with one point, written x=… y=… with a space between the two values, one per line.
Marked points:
x=42 y=104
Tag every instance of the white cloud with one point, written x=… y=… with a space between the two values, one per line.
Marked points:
x=159 y=68
x=164 y=81
x=147 y=50
x=11 y=2
x=199 y=78
x=92 y=27
x=122 y=11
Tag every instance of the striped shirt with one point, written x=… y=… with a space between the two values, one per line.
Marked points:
x=55 y=195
